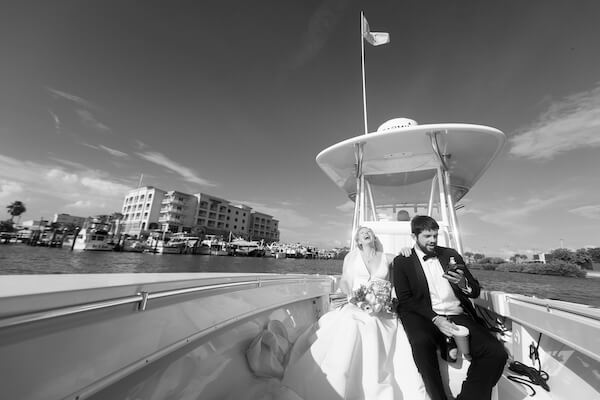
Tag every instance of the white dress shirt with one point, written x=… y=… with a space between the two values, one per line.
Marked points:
x=443 y=299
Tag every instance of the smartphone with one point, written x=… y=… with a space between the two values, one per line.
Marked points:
x=455 y=268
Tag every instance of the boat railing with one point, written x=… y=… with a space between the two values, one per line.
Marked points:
x=568 y=323
x=143 y=297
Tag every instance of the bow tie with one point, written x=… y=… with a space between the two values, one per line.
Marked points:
x=428 y=256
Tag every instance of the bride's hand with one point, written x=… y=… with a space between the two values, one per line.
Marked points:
x=406 y=251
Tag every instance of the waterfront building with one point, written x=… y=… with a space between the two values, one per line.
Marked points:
x=141 y=210
x=177 y=212
x=151 y=209
x=264 y=227
x=65 y=220
x=218 y=216
x=34 y=224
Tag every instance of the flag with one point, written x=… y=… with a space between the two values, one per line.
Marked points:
x=374 y=38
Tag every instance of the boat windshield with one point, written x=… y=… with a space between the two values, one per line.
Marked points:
x=402 y=195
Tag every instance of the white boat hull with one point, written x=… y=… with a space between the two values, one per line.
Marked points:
x=92 y=246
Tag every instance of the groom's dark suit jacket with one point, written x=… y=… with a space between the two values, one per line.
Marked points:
x=412 y=289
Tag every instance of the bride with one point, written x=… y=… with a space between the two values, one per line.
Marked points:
x=351 y=353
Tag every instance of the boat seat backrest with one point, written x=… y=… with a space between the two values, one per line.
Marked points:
x=395 y=235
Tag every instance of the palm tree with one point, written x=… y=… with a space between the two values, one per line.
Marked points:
x=16 y=209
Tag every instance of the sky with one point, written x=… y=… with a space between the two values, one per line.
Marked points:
x=236 y=99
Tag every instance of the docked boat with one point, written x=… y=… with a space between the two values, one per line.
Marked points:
x=133 y=246
x=164 y=247
x=92 y=240
x=246 y=248
x=187 y=244
x=180 y=336
x=219 y=248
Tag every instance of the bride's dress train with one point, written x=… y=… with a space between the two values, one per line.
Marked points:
x=350 y=354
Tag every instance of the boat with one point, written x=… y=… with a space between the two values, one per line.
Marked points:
x=133 y=246
x=185 y=243
x=247 y=248
x=164 y=247
x=186 y=335
x=406 y=168
x=219 y=248
x=90 y=239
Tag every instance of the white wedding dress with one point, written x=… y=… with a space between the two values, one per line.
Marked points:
x=350 y=354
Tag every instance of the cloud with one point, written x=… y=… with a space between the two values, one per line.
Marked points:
x=512 y=213
x=88 y=119
x=591 y=212
x=288 y=217
x=84 y=114
x=569 y=124
x=112 y=152
x=57 y=94
x=187 y=174
x=104 y=186
x=140 y=145
x=8 y=189
x=81 y=204
x=62 y=176
x=52 y=188
x=56 y=121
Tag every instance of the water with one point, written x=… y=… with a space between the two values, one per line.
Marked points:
x=21 y=259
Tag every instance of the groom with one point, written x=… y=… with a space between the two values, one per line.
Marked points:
x=432 y=299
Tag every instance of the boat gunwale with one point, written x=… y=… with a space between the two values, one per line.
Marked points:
x=142 y=297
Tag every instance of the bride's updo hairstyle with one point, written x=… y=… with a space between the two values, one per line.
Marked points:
x=378 y=245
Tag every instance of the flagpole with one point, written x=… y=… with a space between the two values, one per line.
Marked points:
x=362 y=52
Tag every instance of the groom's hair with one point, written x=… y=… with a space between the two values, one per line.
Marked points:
x=422 y=223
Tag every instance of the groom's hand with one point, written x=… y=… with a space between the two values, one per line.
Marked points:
x=457 y=277
x=406 y=251
x=444 y=325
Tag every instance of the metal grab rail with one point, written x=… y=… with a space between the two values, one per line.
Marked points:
x=141 y=298
x=550 y=306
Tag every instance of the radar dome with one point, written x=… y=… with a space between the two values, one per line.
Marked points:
x=396 y=123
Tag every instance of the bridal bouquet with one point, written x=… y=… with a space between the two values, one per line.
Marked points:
x=374 y=297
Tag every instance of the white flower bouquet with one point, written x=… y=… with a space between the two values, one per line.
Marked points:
x=374 y=297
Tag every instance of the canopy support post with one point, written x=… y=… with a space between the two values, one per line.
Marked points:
x=446 y=191
x=359 y=197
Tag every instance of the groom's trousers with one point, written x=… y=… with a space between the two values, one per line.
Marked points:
x=488 y=356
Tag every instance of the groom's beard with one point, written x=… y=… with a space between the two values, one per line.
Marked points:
x=425 y=250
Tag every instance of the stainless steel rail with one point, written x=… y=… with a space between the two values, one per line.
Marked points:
x=551 y=306
x=142 y=299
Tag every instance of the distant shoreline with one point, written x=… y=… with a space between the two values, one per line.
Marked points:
x=593 y=274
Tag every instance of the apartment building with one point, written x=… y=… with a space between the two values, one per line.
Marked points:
x=141 y=210
x=177 y=212
x=264 y=227
x=149 y=208
x=221 y=217
x=68 y=220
